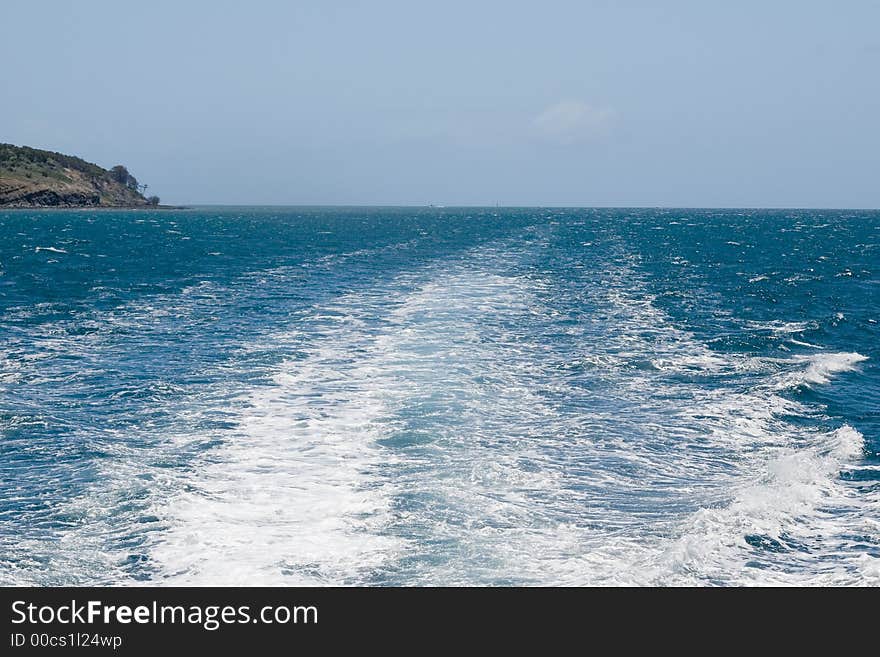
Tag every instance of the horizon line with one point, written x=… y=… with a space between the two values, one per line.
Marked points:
x=516 y=207
x=191 y=206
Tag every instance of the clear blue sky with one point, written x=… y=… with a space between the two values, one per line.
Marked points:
x=538 y=103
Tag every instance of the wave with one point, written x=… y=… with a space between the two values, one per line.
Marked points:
x=820 y=368
x=783 y=525
x=781 y=326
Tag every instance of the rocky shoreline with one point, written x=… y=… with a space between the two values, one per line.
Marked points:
x=69 y=206
x=31 y=178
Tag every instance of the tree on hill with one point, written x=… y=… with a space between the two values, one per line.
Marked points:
x=121 y=175
x=153 y=200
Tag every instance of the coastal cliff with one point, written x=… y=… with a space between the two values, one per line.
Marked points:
x=33 y=178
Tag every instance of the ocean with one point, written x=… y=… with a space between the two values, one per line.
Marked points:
x=439 y=396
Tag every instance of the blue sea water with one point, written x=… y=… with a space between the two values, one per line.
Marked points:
x=373 y=396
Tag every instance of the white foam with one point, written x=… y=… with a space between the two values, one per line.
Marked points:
x=790 y=505
x=801 y=343
x=821 y=368
x=846 y=444
x=291 y=498
x=782 y=327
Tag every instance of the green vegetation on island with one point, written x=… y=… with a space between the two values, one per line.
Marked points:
x=34 y=178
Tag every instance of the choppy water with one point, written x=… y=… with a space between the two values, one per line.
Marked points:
x=439 y=396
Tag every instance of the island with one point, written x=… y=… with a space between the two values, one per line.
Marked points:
x=34 y=178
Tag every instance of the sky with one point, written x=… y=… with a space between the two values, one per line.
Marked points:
x=674 y=103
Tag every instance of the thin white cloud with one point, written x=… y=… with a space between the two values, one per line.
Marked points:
x=571 y=121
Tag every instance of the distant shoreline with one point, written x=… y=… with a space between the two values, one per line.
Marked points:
x=95 y=207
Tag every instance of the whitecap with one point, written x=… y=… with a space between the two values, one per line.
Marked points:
x=820 y=368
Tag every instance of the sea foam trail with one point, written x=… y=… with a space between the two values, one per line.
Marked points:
x=310 y=489
x=470 y=400
x=479 y=422
x=290 y=499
